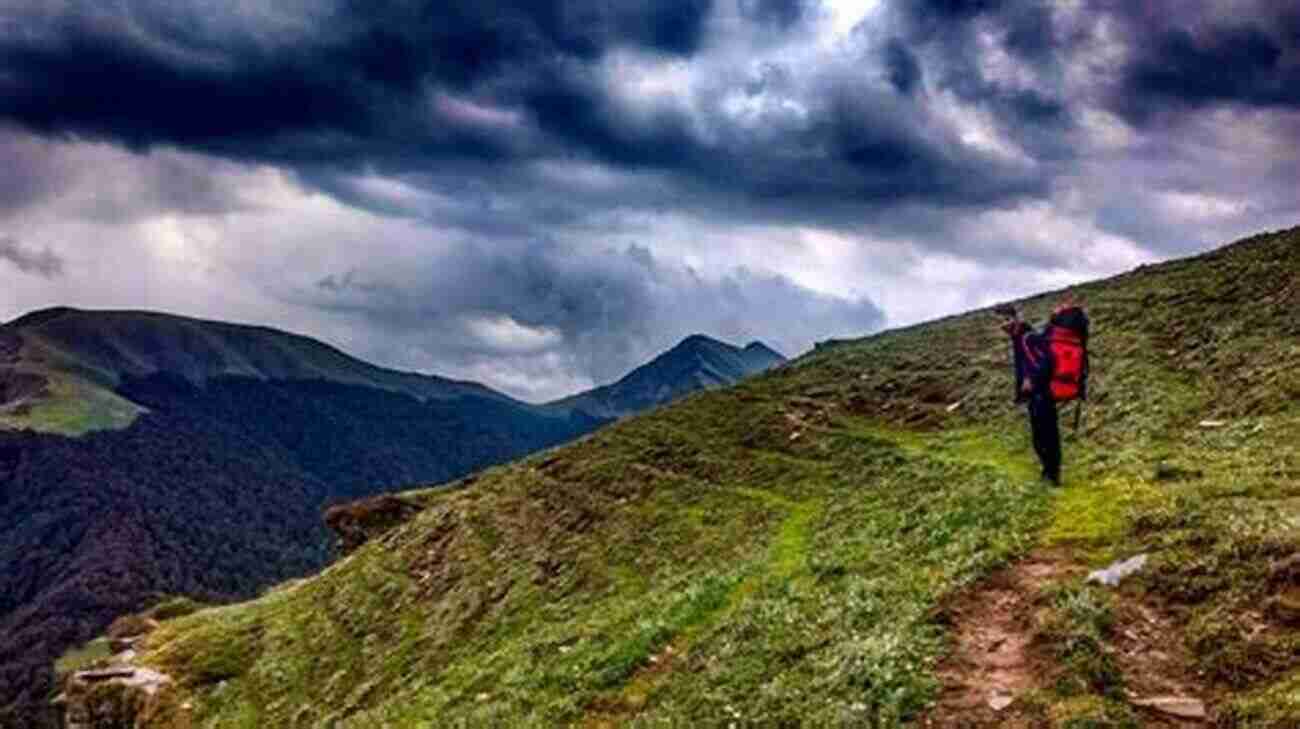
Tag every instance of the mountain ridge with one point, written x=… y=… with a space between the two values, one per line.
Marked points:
x=84 y=354
x=105 y=345
x=697 y=362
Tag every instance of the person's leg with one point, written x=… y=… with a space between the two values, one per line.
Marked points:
x=1047 y=435
x=1035 y=433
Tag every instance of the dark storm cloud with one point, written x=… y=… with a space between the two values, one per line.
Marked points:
x=1030 y=32
x=575 y=108
x=780 y=13
x=356 y=86
x=30 y=175
x=403 y=87
x=45 y=263
x=857 y=144
x=904 y=69
x=951 y=40
x=329 y=87
x=941 y=20
x=1178 y=54
x=611 y=309
x=950 y=30
x=1250 y=59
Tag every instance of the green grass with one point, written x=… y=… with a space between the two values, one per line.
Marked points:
x=1076 y=628
x=1095 y=515
x=791 y=540
x=82 y=657
x=1092 y=712
x=74 y=407
x=1274 y=706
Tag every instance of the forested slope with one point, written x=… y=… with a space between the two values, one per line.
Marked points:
x=215 y=491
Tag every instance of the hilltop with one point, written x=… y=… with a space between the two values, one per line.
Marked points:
x=62 y=369
x=145 y=455
x=697 y=363
x=74 y=361
x=857 y=538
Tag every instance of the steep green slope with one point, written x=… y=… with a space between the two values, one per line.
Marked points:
x=783 y=552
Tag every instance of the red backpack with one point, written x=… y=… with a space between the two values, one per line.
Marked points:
x=1067 y=338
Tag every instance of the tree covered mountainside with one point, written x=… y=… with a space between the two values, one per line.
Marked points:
x=144 y=455
x=857 y=539
x=214 y=492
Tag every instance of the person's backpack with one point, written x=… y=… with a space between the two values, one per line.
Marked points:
x=1067 y=338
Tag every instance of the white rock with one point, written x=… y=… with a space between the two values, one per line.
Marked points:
x=1112 y=575
x=998 y=702
x=1175 y=706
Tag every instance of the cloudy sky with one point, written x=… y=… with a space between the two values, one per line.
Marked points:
x=541 y=194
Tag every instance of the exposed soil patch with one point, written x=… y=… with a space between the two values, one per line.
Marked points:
x=358 y=522
x=997 y=674
x=993 y=662
x=1152 y=655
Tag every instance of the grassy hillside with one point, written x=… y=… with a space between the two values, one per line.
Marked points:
x=813 y=547
x=85 y=357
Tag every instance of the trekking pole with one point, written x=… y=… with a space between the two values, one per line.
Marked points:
x=1078 y=408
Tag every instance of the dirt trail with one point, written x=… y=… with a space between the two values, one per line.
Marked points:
x=1155 y=661
x=995 y=664
x=992 y=661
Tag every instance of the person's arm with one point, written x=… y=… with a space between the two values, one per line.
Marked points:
x=1039 y=355
x=1015 y=330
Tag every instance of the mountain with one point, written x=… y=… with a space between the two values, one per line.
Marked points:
x=697 y=363
x=65 y=364
x=162 y=455
x=145 y=454
x=857 y=538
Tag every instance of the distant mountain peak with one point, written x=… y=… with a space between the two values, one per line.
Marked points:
x=40 y=316
x=696 y=362
x=697 y=341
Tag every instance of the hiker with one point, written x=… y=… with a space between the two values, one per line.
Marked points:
x=1051 y=367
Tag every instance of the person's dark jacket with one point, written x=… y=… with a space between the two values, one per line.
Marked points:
x=1031 y=358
